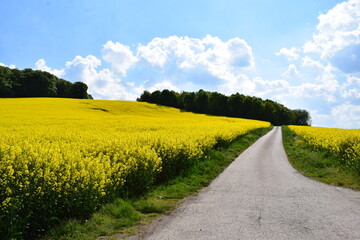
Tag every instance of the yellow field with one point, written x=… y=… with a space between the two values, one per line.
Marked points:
x=66 y=156
x=344 y=143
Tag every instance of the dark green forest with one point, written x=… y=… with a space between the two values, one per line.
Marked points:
x=236 y=105
x=34 y=83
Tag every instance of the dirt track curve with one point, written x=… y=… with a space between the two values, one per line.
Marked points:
x=260 y=196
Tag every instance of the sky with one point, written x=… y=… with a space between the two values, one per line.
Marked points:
x=303 y=54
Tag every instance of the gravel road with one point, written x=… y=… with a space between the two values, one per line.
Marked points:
x=260 y=196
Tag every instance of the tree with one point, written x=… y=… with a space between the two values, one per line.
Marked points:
x=63 y=88
x=39 y=84
x=79 y=90
x=255 y=108
x=217 y=104
x=201 y=101
x=5 y=82
x=237 y=105
x=155 y=97
x=269 y=111
x=188 y=101
x=145 y=97
x=168 y=98
x=30 y=83
x=302 y=117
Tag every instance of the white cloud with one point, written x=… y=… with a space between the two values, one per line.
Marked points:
x=12 y=66
x=161 y=63
x=119 y=56
x=352 y=80
x=290 y=53
x=346 y=115
x=351 y=93
x=312 y=64
x=240 y=83
x=337 y=28
x=82 y=68
x=41 y=65
x=311 y=90
x=155 y=52
x=281 y=89
x=324 y=74
x=102 y=84
x=210 y=54
x=163 y=85
x=292 y=71
x=89 y=62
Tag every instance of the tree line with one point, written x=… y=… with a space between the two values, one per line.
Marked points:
x=236 y=105
x=36 y=83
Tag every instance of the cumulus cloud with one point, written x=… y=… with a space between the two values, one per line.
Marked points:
x=351 y=93
x=102 y=84
x=210 y=54
x=338 y=36
x=352 y=80
x=310 y=90
x=161 y=63
x=292 y=71
x=290 y=53
x=12 y=66
x=41 y=65
x=163 y=85
x=240 y=83
x=156 y=52
x=82 y=68
x=324 y=74
x=312 y=64
x=346 y=115
x=119 y=56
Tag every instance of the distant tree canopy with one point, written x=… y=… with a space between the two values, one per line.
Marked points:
x=35 y=83
x=236 y=105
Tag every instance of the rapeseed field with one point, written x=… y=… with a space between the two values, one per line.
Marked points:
x=343 y=143
x=63 y=158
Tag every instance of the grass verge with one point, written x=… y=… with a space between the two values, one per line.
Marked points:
x=124 y=217
x=319 y=165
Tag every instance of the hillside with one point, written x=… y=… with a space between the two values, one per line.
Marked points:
x=63 y=158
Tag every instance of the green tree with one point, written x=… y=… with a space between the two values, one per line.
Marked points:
x=5 y=82
x=79 y=90
x=155 y=97
x=144 y=97
x=168 y=98
x=201 y=101
x=302 y=117
x=63 y=88
x=218 y=104
x=188 y=101
x=235 y=104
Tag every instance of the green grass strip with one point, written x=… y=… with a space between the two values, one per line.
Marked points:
x=125 y=217
x=319 y=165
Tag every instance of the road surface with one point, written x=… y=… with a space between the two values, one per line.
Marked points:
x=260 y=196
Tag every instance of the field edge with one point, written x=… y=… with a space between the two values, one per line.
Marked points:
x=315 y=164
x=129 y=217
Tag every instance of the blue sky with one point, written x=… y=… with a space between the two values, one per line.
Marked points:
x=303 y=54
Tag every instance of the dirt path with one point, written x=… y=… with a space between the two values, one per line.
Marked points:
x=260 y=196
